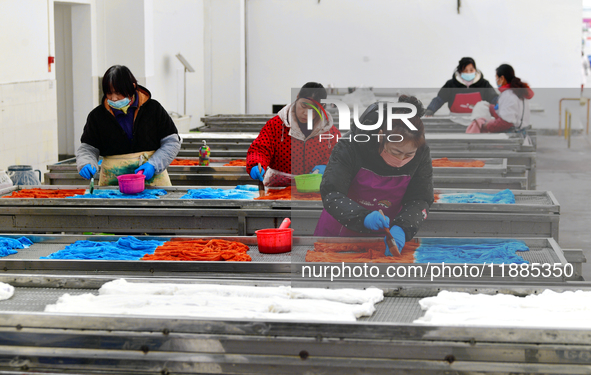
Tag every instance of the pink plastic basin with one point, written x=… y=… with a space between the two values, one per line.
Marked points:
x=131 y=183
x=274 y=241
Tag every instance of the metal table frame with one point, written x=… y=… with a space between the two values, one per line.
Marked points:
x=77 y=344
x=244 y=217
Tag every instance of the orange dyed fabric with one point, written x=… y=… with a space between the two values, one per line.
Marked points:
x=233 y=163
x=45 y=193
x=359 y=252
x=201 y=250
x=289 y=193
x=436 y=196
x=445 y=162
x=236 y=163
x=184 y=162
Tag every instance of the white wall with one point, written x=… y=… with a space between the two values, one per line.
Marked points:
x=28 y=114
x=25 y=41
x=123 y=28
x=225 y=70
x=145 y=36
x=396 y=43
x=178 y=28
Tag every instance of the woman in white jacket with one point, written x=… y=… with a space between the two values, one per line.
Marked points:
x=512 y=110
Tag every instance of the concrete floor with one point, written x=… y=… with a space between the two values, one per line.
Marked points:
x=567 y=173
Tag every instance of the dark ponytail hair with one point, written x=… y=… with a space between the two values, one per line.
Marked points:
x=417 y=137
x=519 y=88
x=464 y=62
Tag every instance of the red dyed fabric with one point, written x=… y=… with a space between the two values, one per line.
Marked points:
x=289 y=193
x=236 y=163
x=45 y=193
x=233 y=163
x=184 y=162
x=201 y=250
x=359 y=252
x=445 y=162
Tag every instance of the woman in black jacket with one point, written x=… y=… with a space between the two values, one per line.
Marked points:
x=466 y=88
x=130 y=130
x=383 y=173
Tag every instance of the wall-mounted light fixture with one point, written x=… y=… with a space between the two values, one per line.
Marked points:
x=188 y=68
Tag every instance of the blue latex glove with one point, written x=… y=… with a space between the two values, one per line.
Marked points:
x=319 y=168
x=497 y=107
x=100 y=162
x=255 y=174
x=399 y=238
x=87 y=171
x=375 y=221
x=148 y=169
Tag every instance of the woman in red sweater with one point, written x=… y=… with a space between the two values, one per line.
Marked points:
x=285 y=143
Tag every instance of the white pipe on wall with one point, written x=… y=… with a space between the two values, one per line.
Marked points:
x=50 y=32
x=243 y=62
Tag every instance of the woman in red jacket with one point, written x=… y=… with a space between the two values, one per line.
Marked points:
x=285 y=143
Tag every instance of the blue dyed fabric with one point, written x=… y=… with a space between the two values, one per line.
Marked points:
x=9 y=245
x=125 y=248
x=503 y=197
x=254 y=188
x=116 y=194
x=240 y=192
x=473 y=251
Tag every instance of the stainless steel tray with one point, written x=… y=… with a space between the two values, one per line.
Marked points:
x=526 y=201
x=280 y=266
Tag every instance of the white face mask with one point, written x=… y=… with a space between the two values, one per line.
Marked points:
x=119 y=103
x=468 y=77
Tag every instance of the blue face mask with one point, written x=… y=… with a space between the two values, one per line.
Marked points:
x=119 y=103
x=468 y=76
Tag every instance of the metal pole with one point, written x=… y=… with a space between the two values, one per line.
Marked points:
x=565 y=123
x=565 y=117
x=560 y=117
x=569 y=127
x=588 y=116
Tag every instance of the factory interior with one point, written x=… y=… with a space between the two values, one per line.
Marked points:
x=295 y=187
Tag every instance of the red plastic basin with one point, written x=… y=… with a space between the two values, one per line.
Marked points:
x=274 y=241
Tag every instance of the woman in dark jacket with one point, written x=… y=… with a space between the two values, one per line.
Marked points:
x=130 y=130
x=383 y=173
x=466 y=88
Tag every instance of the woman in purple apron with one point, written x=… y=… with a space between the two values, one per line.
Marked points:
x=384 y=173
